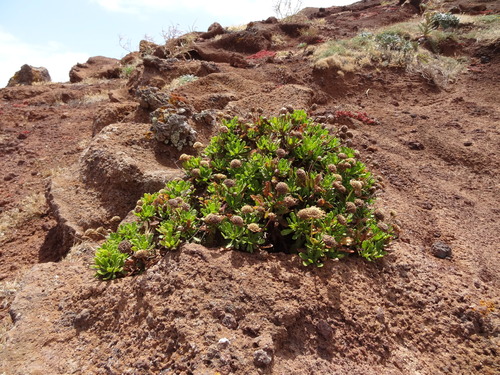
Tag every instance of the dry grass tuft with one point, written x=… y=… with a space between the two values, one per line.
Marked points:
x=29 y=208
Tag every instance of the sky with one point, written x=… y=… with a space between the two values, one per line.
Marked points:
x=57 y=34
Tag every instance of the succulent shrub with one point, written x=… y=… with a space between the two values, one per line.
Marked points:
x=445 y=20
x=280 y=184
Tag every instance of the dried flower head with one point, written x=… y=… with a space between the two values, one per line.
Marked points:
x=359 y=202
x=140 y=254
x=185 y=206
x=379 y=214
x=329 y=241
x=281 y=153
x=224 y=129
x=198 y=145
x=282 y=188
x=344 y=128
x=246 y=209
x=271 y=216
x=237 y=220
x=350 y=207
x=185 y=157
x=341 y=219
x=235 y=163
x=175 y=202
x=301 y=174
x=253 y=227
x=343 y=166
x=195 y=172
x=229 y=183
x=205 y=163
x=260 y=209
x=289 y=201
x=312 y=212
x=125 y=247
x=383 y=226
x=220 y=176
x=341 y=155
x=213 y=219
x=332 y=168
x=357 y=185
x=338 y=186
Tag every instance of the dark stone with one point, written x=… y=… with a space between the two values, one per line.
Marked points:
x=441 y=250
x=213 y=30
x=324 y=329
x=415 y=145
x=271 y=20
x=10 y=176
x=28 y=75
x=468 y=143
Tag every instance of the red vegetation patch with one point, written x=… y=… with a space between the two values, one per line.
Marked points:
x=262 y=55
x=360 y=116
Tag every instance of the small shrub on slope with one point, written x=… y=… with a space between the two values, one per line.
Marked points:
x=280 y=184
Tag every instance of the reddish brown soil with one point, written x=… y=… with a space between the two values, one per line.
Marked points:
x=410 y=313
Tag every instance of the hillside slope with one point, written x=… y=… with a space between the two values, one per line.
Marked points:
x=77 y=156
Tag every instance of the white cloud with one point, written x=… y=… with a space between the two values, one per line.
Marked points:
x=51 y=55
x=241 y=9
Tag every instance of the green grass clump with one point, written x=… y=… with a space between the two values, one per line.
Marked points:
x=280 y=184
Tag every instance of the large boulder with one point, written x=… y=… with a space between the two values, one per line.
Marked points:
x=96 y=67
x=28 y=75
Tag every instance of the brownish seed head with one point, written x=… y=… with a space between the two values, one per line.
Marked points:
x=281 y=153
x=253 y=227
x=237 y=220
x=350 y=207
x=341 y=219
x=220 y=176
x=213 y=219
x=246 y=209
x=282 y=188
x=198 y=145
x=329 y=241
x=332 y=168
x=359 y=202
x=235 y=163
x=312 y=212
x=229 y=183
x=185 y=157
x=289 y=201
x=383 y=226
x=301 y=174
x=379 y=214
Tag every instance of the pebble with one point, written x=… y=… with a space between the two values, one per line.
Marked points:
x=10 y=176
x=468 y=143
x=223 y=343
x=441 y=250
x=261 y=358
x=324 y=329
x=415 y=145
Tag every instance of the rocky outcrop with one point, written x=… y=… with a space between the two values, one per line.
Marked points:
x=95 y=67
x=116 y=169
x=29 y=75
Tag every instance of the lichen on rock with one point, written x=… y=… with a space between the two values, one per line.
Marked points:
x=172 y=128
